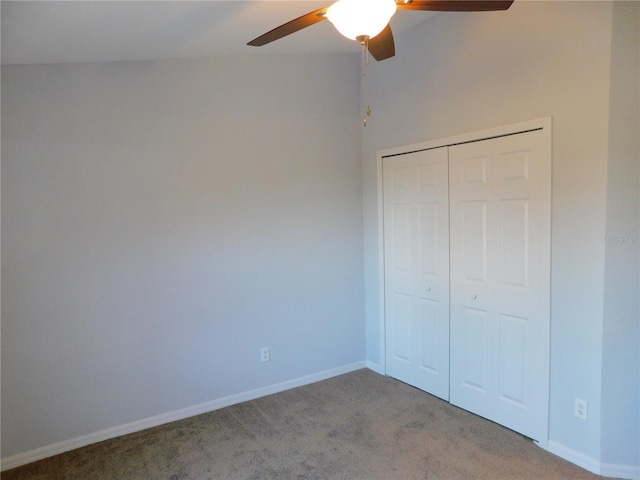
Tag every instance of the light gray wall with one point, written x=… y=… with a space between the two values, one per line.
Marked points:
x=463 y=72
x=621 y=314
x=161 y=223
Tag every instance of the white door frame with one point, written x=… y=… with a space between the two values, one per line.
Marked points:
x=544 y=124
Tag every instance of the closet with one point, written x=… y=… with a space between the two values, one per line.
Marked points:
x=466 y=231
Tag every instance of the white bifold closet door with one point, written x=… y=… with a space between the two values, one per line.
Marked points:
x=500 y=287
x=467 y=282
x=416 y=252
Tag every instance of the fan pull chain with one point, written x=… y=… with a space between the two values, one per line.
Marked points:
x=365 y=79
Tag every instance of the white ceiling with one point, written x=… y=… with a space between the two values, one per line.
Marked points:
x=119 y=30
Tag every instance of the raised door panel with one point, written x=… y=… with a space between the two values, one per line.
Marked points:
x=500 y=280
x=416 y=246
x=401 y=332
x=398 y=265
x=522 y=290
x=471 y=343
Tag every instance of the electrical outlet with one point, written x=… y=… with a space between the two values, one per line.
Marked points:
x=581 y=409
x=264 y=354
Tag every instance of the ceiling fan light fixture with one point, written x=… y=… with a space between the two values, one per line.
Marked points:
x=361 y=18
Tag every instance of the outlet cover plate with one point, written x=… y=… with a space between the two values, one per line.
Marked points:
x=581 y=409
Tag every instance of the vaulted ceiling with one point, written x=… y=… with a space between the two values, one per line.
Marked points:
x=103 y=31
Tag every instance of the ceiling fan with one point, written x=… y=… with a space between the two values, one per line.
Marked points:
x=367 y=21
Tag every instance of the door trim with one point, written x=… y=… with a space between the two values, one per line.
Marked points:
x=544 y=124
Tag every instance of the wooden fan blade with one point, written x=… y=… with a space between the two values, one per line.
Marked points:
x=288 y=28
x=382 y=45
x=454 y=5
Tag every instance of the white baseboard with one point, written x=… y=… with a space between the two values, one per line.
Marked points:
x=376 y=367
x=574 y=456
x=71 y=444
x=630 y=472
x=620 y=471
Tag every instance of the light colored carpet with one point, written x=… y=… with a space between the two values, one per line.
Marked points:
x=356 y=426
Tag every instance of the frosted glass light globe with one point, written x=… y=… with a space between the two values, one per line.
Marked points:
x=355 y=18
